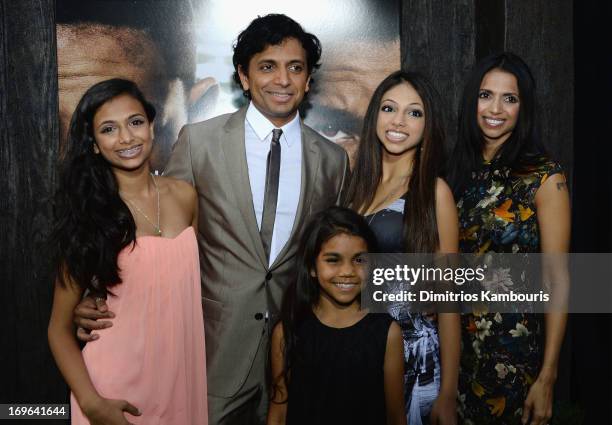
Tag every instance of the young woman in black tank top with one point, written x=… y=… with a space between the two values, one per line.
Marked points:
x=395 y=185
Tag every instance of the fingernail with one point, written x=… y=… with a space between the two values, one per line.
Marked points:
x=111 y=314
x=95 y=336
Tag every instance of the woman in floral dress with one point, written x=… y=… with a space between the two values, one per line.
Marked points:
x=511 y=199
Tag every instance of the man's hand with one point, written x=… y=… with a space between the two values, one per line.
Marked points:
x=86 y=316
x=105 y=411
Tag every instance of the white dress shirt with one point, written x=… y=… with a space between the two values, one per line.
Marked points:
x=257 y=139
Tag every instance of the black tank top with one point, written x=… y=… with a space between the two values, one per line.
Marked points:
x=338 y=375
x=388 y=226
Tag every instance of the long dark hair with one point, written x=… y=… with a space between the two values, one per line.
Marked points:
x=522 y=149
x=92 y=223
x=420 y=225
x=303 y=293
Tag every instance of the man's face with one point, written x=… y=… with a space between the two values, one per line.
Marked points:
x=277 y=80
x=344 y=85
x=90 y=53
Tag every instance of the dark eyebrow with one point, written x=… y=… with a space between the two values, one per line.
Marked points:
x=503 y=94
x=291 y=62
x=410 y=104
x=129 y=118
x=106 y=122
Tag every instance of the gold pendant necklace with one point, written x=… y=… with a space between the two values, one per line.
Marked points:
x=158 y=231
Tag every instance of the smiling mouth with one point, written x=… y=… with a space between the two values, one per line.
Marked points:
x=280 y=95
x=130 y=152
x=396 y=136
x=492 y=122
x=345 y=286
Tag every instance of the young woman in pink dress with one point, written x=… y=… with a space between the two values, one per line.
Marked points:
x=127 y=235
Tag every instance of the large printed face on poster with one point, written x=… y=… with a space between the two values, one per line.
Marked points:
x=180 y=55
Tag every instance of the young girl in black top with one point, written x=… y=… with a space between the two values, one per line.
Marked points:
x=332 y=362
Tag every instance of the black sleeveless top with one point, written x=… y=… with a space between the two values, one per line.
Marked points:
x=338 y=375
x=388 y=226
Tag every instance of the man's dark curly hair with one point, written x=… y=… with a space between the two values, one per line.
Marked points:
x=272 y=30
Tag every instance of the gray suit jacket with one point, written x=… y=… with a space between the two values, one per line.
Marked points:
x=238 y=287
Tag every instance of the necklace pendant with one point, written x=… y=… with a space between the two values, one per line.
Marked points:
x=158 y=231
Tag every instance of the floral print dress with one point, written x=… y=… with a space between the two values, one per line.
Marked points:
x=501 y=353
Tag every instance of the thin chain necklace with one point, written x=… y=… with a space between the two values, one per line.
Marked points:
x=158 y=231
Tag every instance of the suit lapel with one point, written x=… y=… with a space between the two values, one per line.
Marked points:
x=235 y=162
x=310 y=166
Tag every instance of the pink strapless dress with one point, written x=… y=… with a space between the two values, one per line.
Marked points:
x=153 y=356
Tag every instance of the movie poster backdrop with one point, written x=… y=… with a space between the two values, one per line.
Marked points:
x=180 y=54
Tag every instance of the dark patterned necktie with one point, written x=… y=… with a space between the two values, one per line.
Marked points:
x=271 y=191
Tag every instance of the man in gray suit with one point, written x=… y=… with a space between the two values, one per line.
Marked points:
x=226 y=159
x=260 y=173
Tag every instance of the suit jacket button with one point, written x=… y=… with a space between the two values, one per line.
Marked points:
x=258 y=316
x=269 y=276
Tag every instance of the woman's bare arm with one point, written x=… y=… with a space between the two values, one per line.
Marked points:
x=449 y=324
x=447 y=219
x=394 y=376
x=69 y=359
x=553 y=213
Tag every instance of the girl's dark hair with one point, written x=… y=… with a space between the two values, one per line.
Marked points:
x=92 y=223
x=303 y=293
x=272 y=30
x=522 y=149
x=420 y=225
